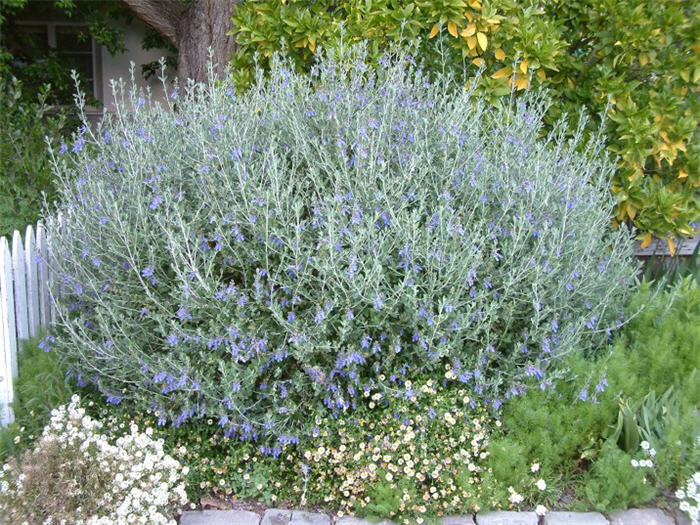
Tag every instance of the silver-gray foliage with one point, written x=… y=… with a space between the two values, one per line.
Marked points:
x=263 y=258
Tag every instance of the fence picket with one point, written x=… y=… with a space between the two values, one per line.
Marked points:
x=20 y=283
x=43 y=271
x=32 y=282
x=8 y=366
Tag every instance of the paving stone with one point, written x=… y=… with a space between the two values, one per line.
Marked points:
x=574 y=518
x=352 y=520
x=219 y=517
x=276 y=517
x=682 y=518
x=458 y=520
x=640 y=517
x=309 y=518
x=507 y=518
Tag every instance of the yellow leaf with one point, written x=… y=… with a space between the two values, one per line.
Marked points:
x=471 y=42
x=621 y=210
x=499 y=54
x=301 y=43
x=521 y=82
x=631 y=212
x=647 y=241
x=643 y=59
x=523 y=66
x=483 y=41
x=434 y=31
x=682 y=174
x=474 y=4
x=671 y=246
x=478 y=61
x=502 y=73
x=680 y=145
x=469 y=30
x=312 y=46
x=541 y=74
x=452 y=28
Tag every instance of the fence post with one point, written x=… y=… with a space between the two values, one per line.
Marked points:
x=8 y=343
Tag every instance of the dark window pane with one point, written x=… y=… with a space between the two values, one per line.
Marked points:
x=81 y=63
x=28 y=40
x=68 y=39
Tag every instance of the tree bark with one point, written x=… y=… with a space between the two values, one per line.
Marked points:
x=193 y=30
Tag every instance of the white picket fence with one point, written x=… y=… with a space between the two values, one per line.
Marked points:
x=25 y=304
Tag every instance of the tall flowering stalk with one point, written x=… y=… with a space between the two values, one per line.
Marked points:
x=260 y=258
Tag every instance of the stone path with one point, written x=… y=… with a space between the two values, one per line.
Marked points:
x=298 y=517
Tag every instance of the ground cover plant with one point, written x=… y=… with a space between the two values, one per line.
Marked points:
x=643 y=395
x=633 y=58
x=261 y=258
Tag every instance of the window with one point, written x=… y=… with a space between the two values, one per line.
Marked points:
x=68 y=45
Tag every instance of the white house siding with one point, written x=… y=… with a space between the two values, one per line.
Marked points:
x=117 y=66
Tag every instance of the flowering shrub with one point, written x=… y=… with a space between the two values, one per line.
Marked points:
x=263 y=259
x=690 y=498
x=75 y=475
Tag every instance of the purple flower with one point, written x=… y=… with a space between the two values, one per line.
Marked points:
x=379 y=301
x=173 y=340
x=183 y=315
x=147 y=271
x=79 y=144
x=114 y=400
x=157 y=201
x=352 y=268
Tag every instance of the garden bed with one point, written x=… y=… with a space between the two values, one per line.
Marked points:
x=420 y=315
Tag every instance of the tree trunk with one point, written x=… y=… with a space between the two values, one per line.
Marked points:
x=193 y=30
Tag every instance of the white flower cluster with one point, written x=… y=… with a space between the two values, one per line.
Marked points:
x=142 y=480
x=645 y=463
x=690 y=498
x=515 y=498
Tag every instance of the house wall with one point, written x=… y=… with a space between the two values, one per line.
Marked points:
x=117 y=66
